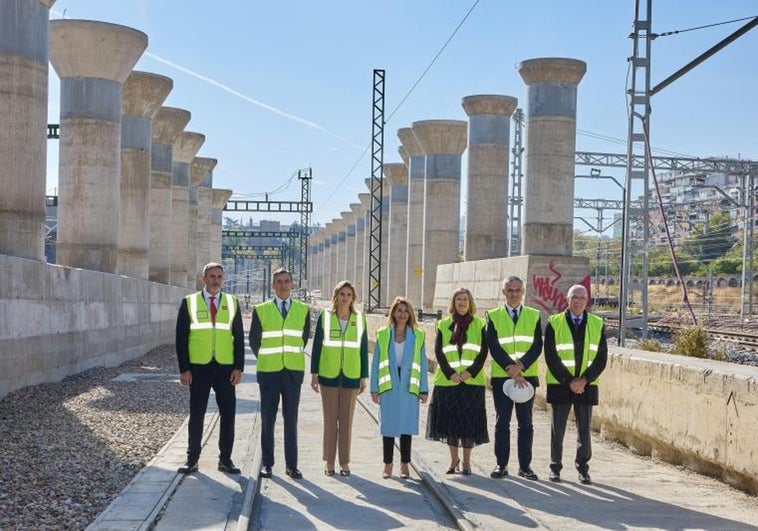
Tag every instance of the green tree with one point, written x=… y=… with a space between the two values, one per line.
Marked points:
x=711 y=240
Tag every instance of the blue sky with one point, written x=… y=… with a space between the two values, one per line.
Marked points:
x=312 y=63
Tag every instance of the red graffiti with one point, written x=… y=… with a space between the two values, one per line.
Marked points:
x=549 y=296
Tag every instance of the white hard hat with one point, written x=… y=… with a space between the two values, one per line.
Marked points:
x=518 y=394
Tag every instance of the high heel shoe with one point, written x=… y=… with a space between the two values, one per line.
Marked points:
x=387 y=472
x=404 y=472
x=454 y=468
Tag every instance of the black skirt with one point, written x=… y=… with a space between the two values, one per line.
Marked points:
x=457 y=416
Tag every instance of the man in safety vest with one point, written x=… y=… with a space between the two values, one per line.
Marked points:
x=514 y=337
x=210 y=346
x=576 y=353
x=278 y=334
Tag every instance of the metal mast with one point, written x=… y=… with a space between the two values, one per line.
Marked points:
x=375 y=219
x=637 y=163
x=517 y=175
x=305 y=177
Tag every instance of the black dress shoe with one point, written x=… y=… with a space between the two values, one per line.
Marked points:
x=499 y=472
x=189 y=467
x=266 y=471
x=294 y=473
x=527 y=473
x=226 y=465
x=584 y=478
x=554 y=476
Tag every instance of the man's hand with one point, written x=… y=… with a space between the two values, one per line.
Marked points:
x=520 y=381
x=236 y=376
x=185 y=378
x=314 y=382
x=361 y=386
x=514 y=370
x=577 y=385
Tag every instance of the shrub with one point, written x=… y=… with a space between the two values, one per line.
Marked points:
x=650 y=344
x=690 y=341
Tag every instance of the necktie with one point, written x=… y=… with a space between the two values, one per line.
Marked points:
x=284 y=309
x=514 y=313
x=213 y=310
x=577 y=321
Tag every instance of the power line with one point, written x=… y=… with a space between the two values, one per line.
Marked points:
x=676 y=32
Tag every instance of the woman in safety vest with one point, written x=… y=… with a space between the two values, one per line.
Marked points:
x=399 y=382
x=457 y=414
x=339 y=368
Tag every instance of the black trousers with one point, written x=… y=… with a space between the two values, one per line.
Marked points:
x=504 y=411
x=204 y=378
x=273 y=385
x=388 y=445
x=558 y=417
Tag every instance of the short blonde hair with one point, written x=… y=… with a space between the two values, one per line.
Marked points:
x=335 y=293
x=397 y=302
x=471 y=303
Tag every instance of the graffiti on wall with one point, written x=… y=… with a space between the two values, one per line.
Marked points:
x=549 y=293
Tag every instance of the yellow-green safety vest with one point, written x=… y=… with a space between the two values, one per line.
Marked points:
x=281 y=339
x=515 y=339
x=564 y=344
x=341 y=351
x=384 y=377
x=206 y=340
x=469 y=351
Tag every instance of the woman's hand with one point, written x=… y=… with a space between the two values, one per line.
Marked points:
x=456 y=378
x=423 y=397
x=314 y=382
x=465 y=375
x=375 y=398
x=361 y=386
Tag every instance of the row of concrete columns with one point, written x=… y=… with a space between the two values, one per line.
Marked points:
x=421 y=206
x=133 y=196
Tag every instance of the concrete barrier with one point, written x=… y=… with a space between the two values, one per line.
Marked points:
x=696 y=413
x=57 y=320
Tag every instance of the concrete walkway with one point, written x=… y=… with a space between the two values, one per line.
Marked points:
x=630 y=492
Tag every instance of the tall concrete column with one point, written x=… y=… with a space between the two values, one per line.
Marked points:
x=186 y=146
x=320 y=263
x=204 y=220
x=396 y=175
x=23 y=107
x=548 y=210
x=487 y=183
x=365 y=200
x=167 y=125
x=93 y=59
x=349 y=219
x=219 y=197
x=443 y=141
x=359 y=212
x=415 y=237
x=143 y=95
x=199 y=231
x=338 y=262
x=326 y=278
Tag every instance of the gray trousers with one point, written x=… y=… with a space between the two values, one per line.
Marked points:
x=558 y=417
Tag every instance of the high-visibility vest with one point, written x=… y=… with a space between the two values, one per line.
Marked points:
x=281 y=339
x=564 y=344
x=385 y=380
x=470 y=350
x=206 y=340
x=341 y=351
x=515 y=339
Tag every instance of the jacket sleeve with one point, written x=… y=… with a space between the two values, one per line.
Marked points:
x=182 y=337
x=364 y=353
x=307 y=328
x=256 y=332
x=444 y=365
x=552 y=360
x=601 y=359
x=424 y=387
x=478 y=364
x=374 y=382
x=238 y=333
x=535 y=350
x=496 y=350
x=318 y=342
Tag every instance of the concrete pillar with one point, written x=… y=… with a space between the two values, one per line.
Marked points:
x=186 y=146
x=403 y=155
x=326 y=279
x=204 y=220
x=199 y=230
x=143 y=95
x=396 y=175
x=93 y=59
x=487 y=183
x=219 y=197
x=365 y=200
x=349 y=219
x=337 y=261
x=23 y=143
x=320 y=263
x=167 y=125
x=359 y=212
x=415 y=237
x=443 y=141
x=548 y=211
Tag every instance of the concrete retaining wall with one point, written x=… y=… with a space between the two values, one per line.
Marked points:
x=700 y=414
x=56 y=320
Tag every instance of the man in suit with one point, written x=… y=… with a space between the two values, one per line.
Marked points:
x=514 y=337
x=576 y=353
x=210 y=347
x=278 y=334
